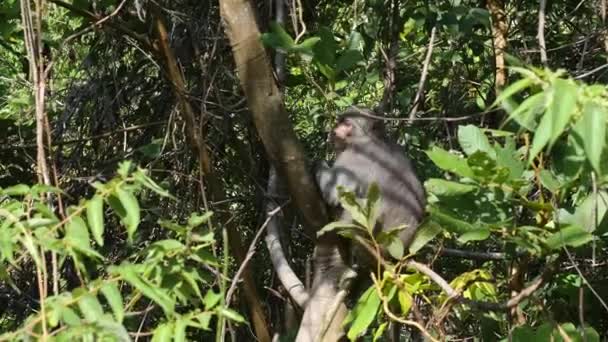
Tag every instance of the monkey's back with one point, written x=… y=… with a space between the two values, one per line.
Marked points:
x=402 y=194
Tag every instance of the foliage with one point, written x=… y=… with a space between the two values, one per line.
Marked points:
x=168 y=272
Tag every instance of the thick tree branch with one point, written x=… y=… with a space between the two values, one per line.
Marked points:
x=266 y=104
x=286 y=275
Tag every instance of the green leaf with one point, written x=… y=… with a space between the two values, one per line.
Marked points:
x=472 y=139
x=146 y=181
x=307 y=46
x=231 y=315
x=90 y=307
x=395 y=248
x=95 y=218
x=549 y=181
x=525 y=114
x=523 y=333
x=474 y=235
x=451 y=223
x=124 y=168
x=442 y=187
x=163 y=333
x=450 y=162
x=591 y=129
x=277 y=38
x=351 y=205
x=573 y=236
x=114 y=298
x=562 y=106
x=338 y=225
x=157 y=294
x=70 y=317
x=348 y=59
x=325 y=49
x=425 y=233
x=16 y=190
x=379 y=333
x=364 y=313
x=211 y=299
x=196 y=220
x=203 y=319
x=179 y=333
x=76 y=233
x=513 y=89
x=405 y=302
x=132 y=211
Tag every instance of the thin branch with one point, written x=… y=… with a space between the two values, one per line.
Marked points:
x=93 y=137
x=514 y=301
x=473 y=255
x=425 y=70
x=541 y=32
x=249 y=255
x=591 y=72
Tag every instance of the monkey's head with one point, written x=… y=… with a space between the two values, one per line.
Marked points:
x=356 y=125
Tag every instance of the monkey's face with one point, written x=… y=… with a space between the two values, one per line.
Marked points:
x=341 y=134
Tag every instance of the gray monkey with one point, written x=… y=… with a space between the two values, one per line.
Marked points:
x=365 y=156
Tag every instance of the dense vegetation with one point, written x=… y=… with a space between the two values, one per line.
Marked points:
x=135 y=163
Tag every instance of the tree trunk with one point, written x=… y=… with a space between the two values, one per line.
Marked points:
x=287 y=155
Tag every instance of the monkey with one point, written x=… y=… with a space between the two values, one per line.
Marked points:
x=364 y=156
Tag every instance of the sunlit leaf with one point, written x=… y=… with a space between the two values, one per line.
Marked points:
x=472 y=139
x=450 y=162
x=90 y=307
x=16 y=190
x=338 y=225
x=441 y=187
x=196 y=220
x=562 y=106
x=211 y=299
x=132 y=211
x=153 y=292
x=513 y=89
x=527 y=111
x=277 y=38
x=231 y=315
x=114 y=299
x=573 y=236
x=425 y=233
x=364 y=313
x=474 y=235
x=163 y=333
x=591 y=129
x=95 y=218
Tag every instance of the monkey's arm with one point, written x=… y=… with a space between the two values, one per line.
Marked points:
x=330 y=178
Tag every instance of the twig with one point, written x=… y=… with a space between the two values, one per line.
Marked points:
x=472 y=255
x=425 y=70
x=591 y=72
x=93 y=137
x=394 y=317
x=541 y=32
x=249 y=255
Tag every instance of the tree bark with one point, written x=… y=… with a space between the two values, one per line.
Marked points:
x=500 y=30
x=499 y=39
x=287 y=155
